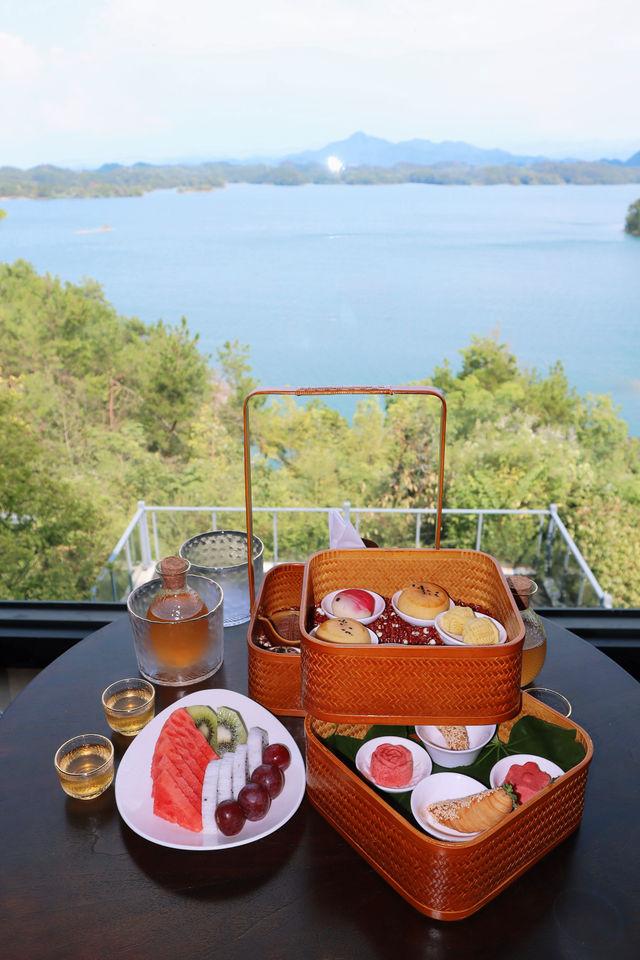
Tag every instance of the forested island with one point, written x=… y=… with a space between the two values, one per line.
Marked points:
x=632 y=224
x=99 y=410
x=114 y=180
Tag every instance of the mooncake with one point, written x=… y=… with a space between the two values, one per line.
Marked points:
x=453 y=620
x=480 y=632
x=424 y=601
x=343 y=630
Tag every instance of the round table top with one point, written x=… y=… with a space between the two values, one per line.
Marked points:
x=77 y=882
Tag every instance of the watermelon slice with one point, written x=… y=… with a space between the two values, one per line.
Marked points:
x=182 y=774
x=171 y=803
x=180 y=759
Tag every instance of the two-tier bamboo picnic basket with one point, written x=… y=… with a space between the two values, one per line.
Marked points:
x=335 y=684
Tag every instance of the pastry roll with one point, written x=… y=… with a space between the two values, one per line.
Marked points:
x=474 y=813
x=455 y=737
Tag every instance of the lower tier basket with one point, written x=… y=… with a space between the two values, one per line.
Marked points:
x=447 y=881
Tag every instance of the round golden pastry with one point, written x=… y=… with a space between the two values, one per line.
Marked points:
x=424 y=601
x=343 y=630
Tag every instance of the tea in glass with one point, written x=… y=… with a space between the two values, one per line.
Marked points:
x=534 y=649
x=84 y=766
x=129 y=705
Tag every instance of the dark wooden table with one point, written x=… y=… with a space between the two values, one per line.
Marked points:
x=77 y=882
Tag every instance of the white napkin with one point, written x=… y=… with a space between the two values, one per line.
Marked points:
x=342 y=534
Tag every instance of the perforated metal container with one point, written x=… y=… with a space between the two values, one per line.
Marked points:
x=222 y=555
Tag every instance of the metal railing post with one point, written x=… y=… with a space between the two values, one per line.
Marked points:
x=551 y=533
x=275 y=536
x=346 y=511
x=143 y=530
x=539 y=544
x=156 y=543
x=479 y=530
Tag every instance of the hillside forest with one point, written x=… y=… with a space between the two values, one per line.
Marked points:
x=98 y=411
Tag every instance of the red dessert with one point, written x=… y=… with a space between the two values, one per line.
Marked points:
x=354 y=603
x=391 y=765
x=526 y=780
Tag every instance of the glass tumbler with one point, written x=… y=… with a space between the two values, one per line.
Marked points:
x=534 y=650
x=84 y=766
x=177 y=652
x=222 y=555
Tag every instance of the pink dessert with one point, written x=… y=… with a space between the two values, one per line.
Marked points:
x=526 y=779
x=391 y=765
x=354 y=603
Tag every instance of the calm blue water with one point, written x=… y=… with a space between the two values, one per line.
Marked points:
x=365 y=284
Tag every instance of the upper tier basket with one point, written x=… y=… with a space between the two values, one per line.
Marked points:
x=394 y=683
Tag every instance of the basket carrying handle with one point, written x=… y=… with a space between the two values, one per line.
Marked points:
x=326 y=392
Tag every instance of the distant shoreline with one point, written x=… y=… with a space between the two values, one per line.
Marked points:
x=48 y=182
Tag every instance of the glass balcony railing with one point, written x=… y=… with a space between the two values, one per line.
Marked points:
x=534 y=542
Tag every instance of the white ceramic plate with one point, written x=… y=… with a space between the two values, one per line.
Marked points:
x=421 y=762
x=501 y=768
x=454 y=640
x=442 y=786
x=414 y=621
x=133 y=780
x=377 y=610
x=374 y=637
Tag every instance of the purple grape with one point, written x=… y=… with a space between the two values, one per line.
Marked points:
x=271 y=777
x=230 y=818
x=277 y=753
x=254 y=801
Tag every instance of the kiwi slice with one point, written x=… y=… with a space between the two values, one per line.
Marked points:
x=207 y=723
x=231 y=730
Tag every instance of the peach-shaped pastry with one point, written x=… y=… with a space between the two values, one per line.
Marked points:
x=354 y=603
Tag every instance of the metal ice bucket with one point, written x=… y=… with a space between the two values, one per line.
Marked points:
x=222 y=556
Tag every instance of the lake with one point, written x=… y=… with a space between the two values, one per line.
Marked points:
x=364 y=285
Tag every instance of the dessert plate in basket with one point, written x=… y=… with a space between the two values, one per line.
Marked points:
x=133 y=780
x=421 y=762
x=442 y=786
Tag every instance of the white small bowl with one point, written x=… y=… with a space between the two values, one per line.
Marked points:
x=435 y=744
x=442 y=786
x=325 y=605
x=414 y=621
x=374 y=638
x=501 y=768
x=455 y=640
x=422 y=765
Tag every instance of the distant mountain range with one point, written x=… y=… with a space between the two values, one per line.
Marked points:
x=362 y=150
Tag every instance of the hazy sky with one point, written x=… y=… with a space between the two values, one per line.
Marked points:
x=89 y=81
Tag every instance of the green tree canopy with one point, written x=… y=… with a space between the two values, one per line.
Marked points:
x=98 y=411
